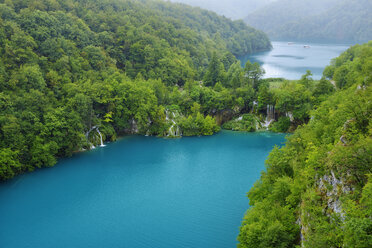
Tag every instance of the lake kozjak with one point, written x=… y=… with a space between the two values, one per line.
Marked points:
x=291 y=60
x=138 y=192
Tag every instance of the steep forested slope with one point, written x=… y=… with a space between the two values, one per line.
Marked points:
x=317 y=190
x=327 y=20
x=71 y=71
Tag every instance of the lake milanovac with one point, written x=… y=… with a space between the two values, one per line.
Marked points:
x=291 y=60
x=138 y=192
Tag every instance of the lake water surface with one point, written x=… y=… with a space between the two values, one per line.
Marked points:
x=291 y=61
x=138 y=192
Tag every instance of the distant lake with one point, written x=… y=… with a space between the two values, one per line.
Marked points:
x=139 y=192
x=291 y=61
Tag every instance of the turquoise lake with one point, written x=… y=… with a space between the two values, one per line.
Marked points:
x=138 y=192
x=291 y=61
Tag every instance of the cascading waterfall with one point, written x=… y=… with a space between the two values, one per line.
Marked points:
x=100 y=135
x=270 y=115
x=270 y=112
x=174 y=129
x=170 y=131
x=134 y=127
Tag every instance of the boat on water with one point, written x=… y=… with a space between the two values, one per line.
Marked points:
x=306 y=46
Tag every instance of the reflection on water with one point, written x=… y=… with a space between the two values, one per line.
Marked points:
x=288 y=56
x=291 y=60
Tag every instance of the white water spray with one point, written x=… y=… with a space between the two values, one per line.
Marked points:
x=100 y=135
x=174 y=129
x=270 y=115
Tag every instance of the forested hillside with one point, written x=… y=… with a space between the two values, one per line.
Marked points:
x=75 y=73
x=319 y=20
x=317 y=189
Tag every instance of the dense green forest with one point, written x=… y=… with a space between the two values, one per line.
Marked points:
x=73 y=73
x=317 y=189
x=315 y=20
x=76 y=73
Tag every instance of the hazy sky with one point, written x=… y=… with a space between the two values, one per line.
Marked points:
x=234 y=9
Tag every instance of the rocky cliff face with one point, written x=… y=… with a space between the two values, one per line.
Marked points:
x=331 y=190
x=224 y=116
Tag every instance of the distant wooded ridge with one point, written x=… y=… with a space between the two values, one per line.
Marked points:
x=315 y=20
x=339 y=21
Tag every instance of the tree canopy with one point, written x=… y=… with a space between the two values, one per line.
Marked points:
x=315 y=191
x=69 y=69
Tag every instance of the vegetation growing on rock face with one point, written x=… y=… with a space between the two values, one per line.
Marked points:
x=316 y=189
x=247 y=122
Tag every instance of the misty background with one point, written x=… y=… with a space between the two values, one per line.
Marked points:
x=234 y=9
x=340 y=21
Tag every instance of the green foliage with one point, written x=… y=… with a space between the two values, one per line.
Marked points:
x=268 y=225
x=248 y=122
x=353 y=66
x=281 y=126
x=67 y=68
x=295 y=98
x=321 y=179
x=323 y=89
x=252 y=74
x=197 y=124
x=215 y=72
x=358 y=223
x=235 y=76
x=9 y=161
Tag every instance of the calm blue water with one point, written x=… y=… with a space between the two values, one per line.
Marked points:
x=292 y=61
x=138 y=192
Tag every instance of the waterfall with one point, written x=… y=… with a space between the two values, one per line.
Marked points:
x=100 y=135
x=270 y=112
x=290 y=115
x=134 y=127
x=270 y=115
x=174 y=129
x=90 y=130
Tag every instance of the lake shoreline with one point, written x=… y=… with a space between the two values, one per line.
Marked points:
x=139 y=185
x=290 y=61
